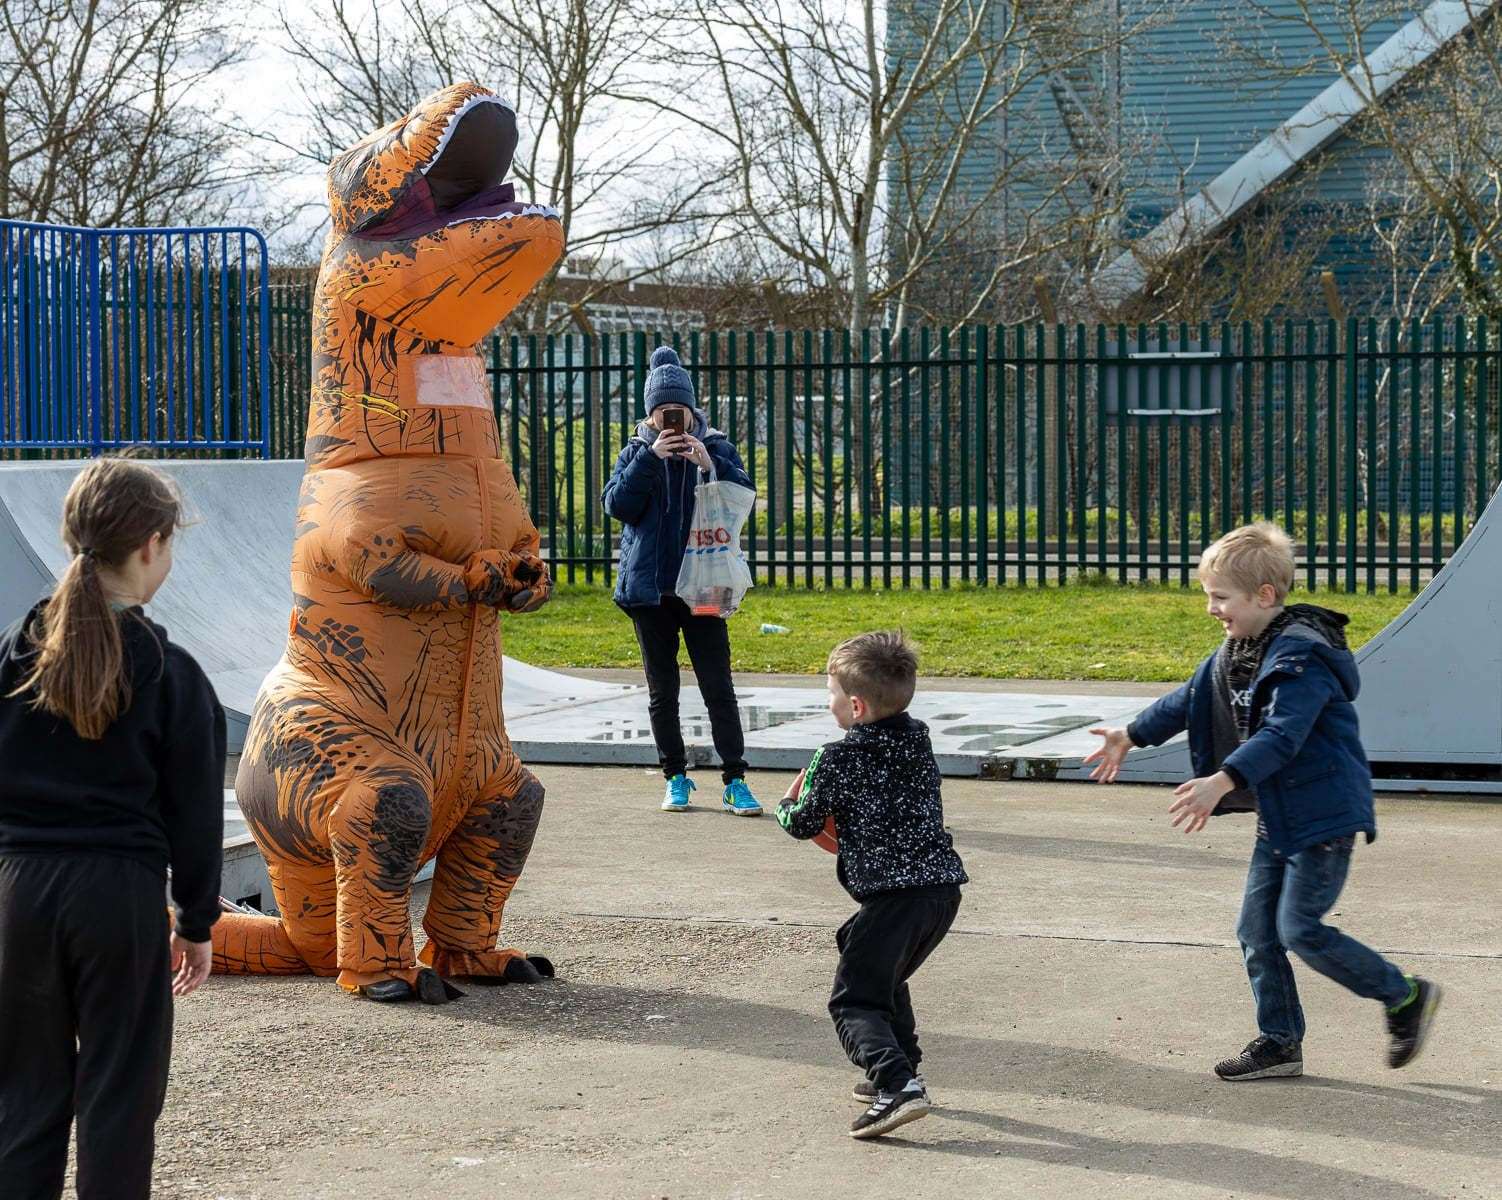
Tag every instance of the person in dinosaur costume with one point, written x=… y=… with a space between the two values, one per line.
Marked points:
x=377 y=743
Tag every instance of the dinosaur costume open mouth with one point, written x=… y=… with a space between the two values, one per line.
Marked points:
x=462 y=181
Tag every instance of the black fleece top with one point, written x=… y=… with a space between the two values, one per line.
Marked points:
x=151 y=789
x=881 y=786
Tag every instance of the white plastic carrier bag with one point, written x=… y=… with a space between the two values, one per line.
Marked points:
x=714 y=577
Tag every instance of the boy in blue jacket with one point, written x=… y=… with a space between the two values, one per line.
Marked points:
x=1272 y=729
x=651 y=493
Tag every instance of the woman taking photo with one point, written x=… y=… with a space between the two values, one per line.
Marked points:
x=651 y=492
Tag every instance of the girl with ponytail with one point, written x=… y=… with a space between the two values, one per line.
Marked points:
x=112 y=751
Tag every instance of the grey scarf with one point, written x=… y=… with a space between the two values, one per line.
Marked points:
x=1236 y=666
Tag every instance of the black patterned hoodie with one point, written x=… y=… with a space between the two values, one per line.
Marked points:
x=880 y=783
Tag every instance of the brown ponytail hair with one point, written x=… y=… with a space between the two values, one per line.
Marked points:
x=112 y=509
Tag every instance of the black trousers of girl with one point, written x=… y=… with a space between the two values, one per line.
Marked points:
x=85 y=1022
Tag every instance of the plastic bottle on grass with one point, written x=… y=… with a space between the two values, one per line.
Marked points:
x=768 y=627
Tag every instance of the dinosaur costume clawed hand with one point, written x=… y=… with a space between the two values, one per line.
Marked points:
x=377 y=743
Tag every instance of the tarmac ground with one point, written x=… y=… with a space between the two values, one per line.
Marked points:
x=1069 y=1023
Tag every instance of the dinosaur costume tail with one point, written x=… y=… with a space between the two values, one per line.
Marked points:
x=255 y=945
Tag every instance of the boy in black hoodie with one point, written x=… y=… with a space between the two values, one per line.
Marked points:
x=879 y=790
x=1272 y=728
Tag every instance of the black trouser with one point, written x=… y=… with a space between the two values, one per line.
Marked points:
x=85 y=1023
x=708 y=642
x=881 y=946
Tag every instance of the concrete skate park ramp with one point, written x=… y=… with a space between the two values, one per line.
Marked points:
x=228 y=599
x=1431 y=689
x=1431 y=706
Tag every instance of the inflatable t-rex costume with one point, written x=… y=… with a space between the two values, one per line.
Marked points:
x=377 y=743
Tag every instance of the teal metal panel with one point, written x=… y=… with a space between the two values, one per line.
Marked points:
x=1346 y=170
x=1199 y=109
x=1207 y=109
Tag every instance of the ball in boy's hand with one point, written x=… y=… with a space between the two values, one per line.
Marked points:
x=827 y=840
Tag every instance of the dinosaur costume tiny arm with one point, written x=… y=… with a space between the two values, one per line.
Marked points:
x=517 y=579
x=377 y=558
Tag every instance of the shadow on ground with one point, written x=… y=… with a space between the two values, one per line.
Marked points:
x=1463 y=1119
x=1203 y=1163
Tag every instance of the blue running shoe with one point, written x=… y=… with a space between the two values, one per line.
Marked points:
x=676 y=797
x=739 y=800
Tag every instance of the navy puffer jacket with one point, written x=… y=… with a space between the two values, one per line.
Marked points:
x=1304 y=755
x=653 y=499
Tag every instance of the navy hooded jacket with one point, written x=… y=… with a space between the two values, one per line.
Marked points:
x=1303 y=756
x=653 y=499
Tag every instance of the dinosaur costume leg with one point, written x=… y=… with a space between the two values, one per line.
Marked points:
x=301 y=942
x=477 y=868
x=377 y=828
x=343 y=834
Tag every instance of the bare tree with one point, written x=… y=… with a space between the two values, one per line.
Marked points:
x=360 y=65
x=1413 y=243
x=868 y=145
x=1434 y=199
x=605 y=159
x=108 y=111
x=589 y=148
x=1263 y=265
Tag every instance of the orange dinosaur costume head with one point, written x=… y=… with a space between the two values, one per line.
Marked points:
x=378 y=742
x=428 y=253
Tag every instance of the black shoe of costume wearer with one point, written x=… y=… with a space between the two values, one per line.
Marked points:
x=865 y=1090
x=1263 y=1058
x=1409 y=1026
x=431 y=989
x=534 y=968
x=890 y=1110
x=388 y=991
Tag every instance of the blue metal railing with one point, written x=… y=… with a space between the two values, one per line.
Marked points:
x=120 y=337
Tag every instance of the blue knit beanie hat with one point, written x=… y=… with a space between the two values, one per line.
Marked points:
x=668 y=382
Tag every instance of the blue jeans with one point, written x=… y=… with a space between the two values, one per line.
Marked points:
x=1286 y=895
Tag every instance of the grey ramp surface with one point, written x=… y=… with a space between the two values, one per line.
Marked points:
x=1431 y=686
x=228 y=598
x=783 y=725
x=1432 y=679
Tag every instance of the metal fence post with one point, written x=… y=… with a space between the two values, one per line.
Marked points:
x=95 y=392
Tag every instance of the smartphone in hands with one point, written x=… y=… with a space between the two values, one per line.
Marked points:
x=674 y=425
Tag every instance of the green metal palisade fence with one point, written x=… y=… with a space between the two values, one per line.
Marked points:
x=930 y=457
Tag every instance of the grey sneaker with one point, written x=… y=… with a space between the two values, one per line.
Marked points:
x=1263 y=1058
x=890 y=1110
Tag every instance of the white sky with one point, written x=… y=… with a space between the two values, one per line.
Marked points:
x=264 y=95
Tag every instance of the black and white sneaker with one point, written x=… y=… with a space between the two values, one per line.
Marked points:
x=890 y=1110
x=1408 y=1026
x=865 y=1091
x=1263 y=1058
